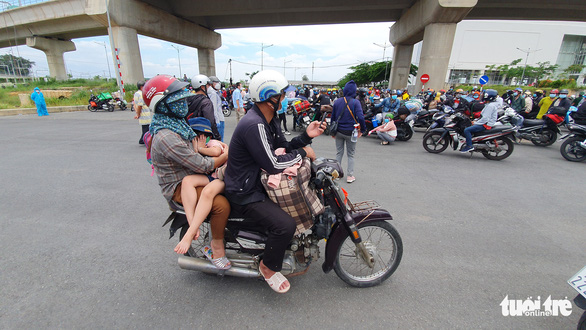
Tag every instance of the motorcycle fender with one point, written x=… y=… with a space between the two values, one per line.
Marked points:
x=339 y=233
x=438 y=130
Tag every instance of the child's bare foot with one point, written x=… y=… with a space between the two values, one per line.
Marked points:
x=183 y=246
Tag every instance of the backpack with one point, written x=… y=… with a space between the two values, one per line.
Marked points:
x=147 y=138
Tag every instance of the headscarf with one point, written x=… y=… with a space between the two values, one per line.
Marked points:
x=170 y=114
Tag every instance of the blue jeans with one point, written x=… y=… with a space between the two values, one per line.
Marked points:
x=468 y=131
x=220 y=126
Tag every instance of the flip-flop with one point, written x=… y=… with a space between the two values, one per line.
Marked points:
x=275 y=281
x=220 y=263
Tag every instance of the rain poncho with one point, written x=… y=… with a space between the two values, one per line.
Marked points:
x=39 y=100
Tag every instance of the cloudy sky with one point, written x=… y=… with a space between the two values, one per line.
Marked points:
x=332 y=49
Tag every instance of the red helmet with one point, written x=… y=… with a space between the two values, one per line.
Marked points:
x=158 y=88
x=554 y=91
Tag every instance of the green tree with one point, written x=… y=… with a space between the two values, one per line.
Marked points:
x=250 y=75
x=10 y=64
x=305 y=78
x=574 y=68
x=371 y=72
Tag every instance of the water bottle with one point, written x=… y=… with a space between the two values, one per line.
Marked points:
x=354 y=137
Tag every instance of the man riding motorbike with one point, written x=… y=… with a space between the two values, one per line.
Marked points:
x=252 y=149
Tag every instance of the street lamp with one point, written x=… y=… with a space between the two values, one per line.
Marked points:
x=285 y=62
x=179 y=58
x=384 y=47
x=262 y=52
x=107 y=61
x=528 y=51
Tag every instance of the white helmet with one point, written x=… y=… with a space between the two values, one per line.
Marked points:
x=199 y=80
x=267 y=84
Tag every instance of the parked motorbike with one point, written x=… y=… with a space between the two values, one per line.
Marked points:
x=439 y=118
x=425 y=118
x=226 y=110
x=541 y=132
x=404 y=128
x=494 y=144
x=102 y=101
x=119 y=101
x=362 y=247
x=578 y=282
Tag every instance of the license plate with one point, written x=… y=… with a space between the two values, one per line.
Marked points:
x=306 y=119
x=578 y=282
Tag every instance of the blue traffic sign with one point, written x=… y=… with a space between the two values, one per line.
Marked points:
x=483 y=80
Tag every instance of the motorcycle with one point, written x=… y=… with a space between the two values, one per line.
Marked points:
x=119 y=101
x=226 y=110
x=425 y=118
x=494 y=144
x=439 y=118
x=404 y=127
x=578 y=282
x=362 y=247
x=102 y=101
x=541 y=132
x=571 y=149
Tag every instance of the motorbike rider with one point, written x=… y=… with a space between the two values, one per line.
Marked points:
x=518 y=100
x=253 y=146
x=561 y=101
x=546 y=102
x=458 y=102
x=173 y=154
x=487 y=119
x=214 y=93
x=200 y=105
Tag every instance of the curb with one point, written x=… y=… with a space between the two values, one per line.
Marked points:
x=33 y=111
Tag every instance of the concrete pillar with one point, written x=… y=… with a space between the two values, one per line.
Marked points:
x=207 y=61
x=401 y=66
x=438 y=39
x=126 y=40
x=54 y=50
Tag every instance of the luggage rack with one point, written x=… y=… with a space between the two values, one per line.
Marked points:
x=363 y=206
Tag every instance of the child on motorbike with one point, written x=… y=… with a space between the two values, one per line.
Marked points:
x=213 y=185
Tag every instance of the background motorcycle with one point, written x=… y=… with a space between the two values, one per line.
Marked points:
x=102 y=101
x=571 y=148
x=494 y=144
x=226 y=110
x=119 y=101
x=362 y=247
x=541 y=132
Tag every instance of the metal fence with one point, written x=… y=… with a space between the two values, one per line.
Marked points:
x=12 y=4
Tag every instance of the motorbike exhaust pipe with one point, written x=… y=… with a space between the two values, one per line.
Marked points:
x=205 y=266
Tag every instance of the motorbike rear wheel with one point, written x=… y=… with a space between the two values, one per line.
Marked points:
x=550 y=136
x=226 y=111
x=383 y=242
x=571 y=149
x=408 y=133
x=197 y=245
x=433 y=142
x=110 y=107
x=506 y=148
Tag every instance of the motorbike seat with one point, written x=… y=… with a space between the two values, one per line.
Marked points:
x=533 y=122
x=493 y=130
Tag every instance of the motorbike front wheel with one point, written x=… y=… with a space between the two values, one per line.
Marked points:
x=571 y=149
x=408 y=133
x=92 y=109
x=501 y=148
x=383 y=243
x=226 y=111
x=549 y=137
x=434 y=143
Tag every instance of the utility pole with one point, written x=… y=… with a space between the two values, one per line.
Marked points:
x=262 y=52
x=285 y=62
x=312 y=70
x=178 y=49
x=107 y=61
x=528 y=51
x=384 y=47
x=230 y=63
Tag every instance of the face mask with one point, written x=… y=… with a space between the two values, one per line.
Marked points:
x=515 y=94
x=394 y=97
x=534 y=95
x=476 y=97
x=387 y=120
x=563 y=96
x=217 y=86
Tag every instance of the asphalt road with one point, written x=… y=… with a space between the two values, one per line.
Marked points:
x=82 y=244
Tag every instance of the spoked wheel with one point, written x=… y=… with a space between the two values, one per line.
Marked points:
x=383 y=243
x=434 y=143
x=500 y=148
x=547 y=139
x=571 y=149
x=197 y=245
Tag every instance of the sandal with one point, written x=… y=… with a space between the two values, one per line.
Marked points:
x=220 y=263
x=276 y=281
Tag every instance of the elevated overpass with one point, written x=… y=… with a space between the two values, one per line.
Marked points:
x=51 y=25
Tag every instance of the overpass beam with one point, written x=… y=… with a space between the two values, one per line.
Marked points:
x=441 y=16
x=54 y=50
x=207 y=61
x=401 y=66
x=126 y=40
